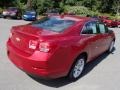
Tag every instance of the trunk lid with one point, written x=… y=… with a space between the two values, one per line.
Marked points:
x=21 y=36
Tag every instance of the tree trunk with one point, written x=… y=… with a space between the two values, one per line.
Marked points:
x=29 y=4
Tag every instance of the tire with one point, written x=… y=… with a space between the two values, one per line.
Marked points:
x=4 y=17
x=77 y=68
x=110 y=50
x=18 y=17
x=118 y=26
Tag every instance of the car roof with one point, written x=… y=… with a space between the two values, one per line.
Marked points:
x=75 y=18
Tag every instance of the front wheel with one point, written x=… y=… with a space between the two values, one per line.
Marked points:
x=77 y=68
x=4 y=17
x=111 y=47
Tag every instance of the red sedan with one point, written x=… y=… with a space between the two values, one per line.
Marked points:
x=114 y=23
x=108 y=22
x=58 y=46
x=119 y=23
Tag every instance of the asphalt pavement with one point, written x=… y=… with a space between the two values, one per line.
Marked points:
x=101 y=74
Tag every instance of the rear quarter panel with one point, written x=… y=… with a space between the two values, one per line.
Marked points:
x=67 y=51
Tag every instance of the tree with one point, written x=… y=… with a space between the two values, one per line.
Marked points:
x=106 y=6
x=5 y=3
x=116 y=7
x=70 y=2
x=29 y=4
x=42 y=5
x=91 y=4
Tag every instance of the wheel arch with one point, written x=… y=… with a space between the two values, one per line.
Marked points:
x=114 y=39
x=85 y=54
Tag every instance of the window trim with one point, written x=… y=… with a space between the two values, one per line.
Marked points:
x=106 y=28
x=46 y=18
x=84 y=27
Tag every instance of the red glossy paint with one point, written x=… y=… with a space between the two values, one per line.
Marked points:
x=118 y=22
x=52 y=54
x=107 y=22
x=114 y=23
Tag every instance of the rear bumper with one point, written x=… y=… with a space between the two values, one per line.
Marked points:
x=35 y=64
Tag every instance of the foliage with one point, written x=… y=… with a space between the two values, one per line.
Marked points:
x=70 y=2
x=20 y=4
x=93 y=6
x=79 y=10
x=116 y=7
x=1 y=10
x=4 y=3
x=42 y=5
x=106 y=6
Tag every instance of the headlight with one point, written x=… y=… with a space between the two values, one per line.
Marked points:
x=5 y=13
x=33 y=16
x=25 y=15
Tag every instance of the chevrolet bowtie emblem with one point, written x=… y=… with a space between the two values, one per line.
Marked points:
x=18 y=39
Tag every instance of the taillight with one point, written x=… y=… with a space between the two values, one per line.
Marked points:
x=44 y=47
x=33 y=44
x=10 y=35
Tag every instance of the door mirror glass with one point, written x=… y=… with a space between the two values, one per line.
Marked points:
x=110 y=31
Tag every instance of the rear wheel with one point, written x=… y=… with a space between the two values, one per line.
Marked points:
x=77 y=68
x=118 y=26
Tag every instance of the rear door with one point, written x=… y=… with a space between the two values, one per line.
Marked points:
x=91 y=32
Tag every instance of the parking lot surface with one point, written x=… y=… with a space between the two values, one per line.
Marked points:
x=102 y=74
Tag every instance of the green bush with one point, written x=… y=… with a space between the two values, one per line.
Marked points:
x=42 y=5
x=80 y=10
x=94 y=13
x=1 y=10
x=21 y=5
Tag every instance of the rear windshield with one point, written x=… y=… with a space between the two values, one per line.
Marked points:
x=53 y=24
x=30 y=12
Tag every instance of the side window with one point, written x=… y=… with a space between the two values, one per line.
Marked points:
x=102 y=28
x=90 y=28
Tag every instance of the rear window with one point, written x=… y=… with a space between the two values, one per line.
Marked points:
x=53 y=24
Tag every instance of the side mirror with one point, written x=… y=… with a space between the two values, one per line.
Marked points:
x=110 y=31
x=88 y=31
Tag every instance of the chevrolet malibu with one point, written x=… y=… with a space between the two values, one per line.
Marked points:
x=58 y=46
